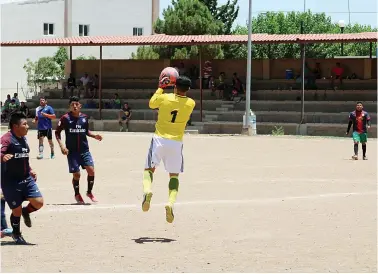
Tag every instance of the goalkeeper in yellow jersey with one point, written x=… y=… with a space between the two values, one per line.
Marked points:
x=167 y=142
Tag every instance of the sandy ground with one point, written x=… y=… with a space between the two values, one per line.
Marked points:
x=260 y=204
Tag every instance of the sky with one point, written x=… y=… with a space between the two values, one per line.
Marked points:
x=362 y=11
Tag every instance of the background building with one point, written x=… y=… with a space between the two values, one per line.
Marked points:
x=38 y=19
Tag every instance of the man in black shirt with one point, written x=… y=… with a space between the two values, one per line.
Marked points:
x=71 y=85
x=18 y=180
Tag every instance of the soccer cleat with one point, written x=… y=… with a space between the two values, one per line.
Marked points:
x=146 y=201
x=7 y=232
x=169 y=213
x=40 y=156
x=79 y=199
x=121 y=129
x=19 y=239
x=52 y=156
x=92 y=197
x=26 y=217
x=364 y=158
x=355 y=157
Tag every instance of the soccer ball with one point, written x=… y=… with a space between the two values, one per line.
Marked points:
x=171 y=73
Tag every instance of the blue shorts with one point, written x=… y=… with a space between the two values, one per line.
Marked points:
x=16 y=192
x=76 y=159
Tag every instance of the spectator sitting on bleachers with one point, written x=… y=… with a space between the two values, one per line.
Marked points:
x=25 y=109
x=12 y=106
x=7 y=101
x=124 y=117
x=221 y=85
x=115 y=102
x=71 y=85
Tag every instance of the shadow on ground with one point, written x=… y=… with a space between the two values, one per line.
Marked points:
x=143 y=240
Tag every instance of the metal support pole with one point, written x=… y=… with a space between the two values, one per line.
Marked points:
x=246 y=125
x=303 y=57
x=200 y=78
x=100 y=85
x=17 y=89
x=342 y=44
x=371 y=50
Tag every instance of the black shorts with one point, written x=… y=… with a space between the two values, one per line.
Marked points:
x=45 y=133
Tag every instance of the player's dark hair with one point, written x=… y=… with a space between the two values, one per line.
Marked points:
x=74 y=99
x=16 y=118
x=42 y=97
x=359 y=102
x=183 y=83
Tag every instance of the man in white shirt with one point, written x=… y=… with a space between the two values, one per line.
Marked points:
x=85 y=80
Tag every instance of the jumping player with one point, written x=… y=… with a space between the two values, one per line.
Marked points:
x=18 y=180
x=167 y=142
x=43 y=115
x=75 y=125
x=360 y=120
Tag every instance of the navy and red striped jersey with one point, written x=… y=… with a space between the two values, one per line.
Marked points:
x=18 y=167
x=76 y=130
x=359 y=120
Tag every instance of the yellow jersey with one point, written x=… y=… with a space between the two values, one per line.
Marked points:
x=174 y=113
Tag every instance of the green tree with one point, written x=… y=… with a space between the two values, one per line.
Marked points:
x=226 y=13
x=42 y=72
x=82 y=57
x=60 y=57
x=145 y=53
x=187 y=17
x=280 y=23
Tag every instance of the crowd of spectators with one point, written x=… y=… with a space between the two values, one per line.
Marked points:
x=11 y=105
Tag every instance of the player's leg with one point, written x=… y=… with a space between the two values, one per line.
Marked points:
x=174 y=165
x=152 y=161
x=34 y=196
x=363 y=137
x=50 y=140
x=5 y=230
x=13 y=195
x=127 y=125
x=356 y=141
x=74 y=168
x=41 y=136
x=88 y=164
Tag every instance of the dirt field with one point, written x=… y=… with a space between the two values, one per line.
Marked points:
x=246 y=204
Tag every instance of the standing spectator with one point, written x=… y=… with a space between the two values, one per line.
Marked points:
x=94 y=86
x=124 y=117
x=221 y=86
x=86 y=82
x=25 y=110
x=16 y=100
x=207 y=71
x=337 y=73
x=71 y=85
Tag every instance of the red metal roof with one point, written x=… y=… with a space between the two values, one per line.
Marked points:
x=162 y=39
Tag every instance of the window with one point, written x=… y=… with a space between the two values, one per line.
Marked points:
x=83 y=30
x=48 y=29
x=137 y=31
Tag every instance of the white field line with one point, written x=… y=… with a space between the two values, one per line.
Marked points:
x=70 y=208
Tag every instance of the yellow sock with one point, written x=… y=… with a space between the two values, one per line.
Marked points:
x=173 y=189
x=147 y=181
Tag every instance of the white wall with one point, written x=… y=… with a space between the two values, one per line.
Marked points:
x=24 y=21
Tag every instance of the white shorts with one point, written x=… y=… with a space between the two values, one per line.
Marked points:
x=169 y=151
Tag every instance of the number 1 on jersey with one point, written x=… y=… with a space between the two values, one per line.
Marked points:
x=174 y=114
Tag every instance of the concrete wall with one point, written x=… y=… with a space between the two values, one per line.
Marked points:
x=261 y=69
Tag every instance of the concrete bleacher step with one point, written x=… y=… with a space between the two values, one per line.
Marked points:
x=222 y=109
